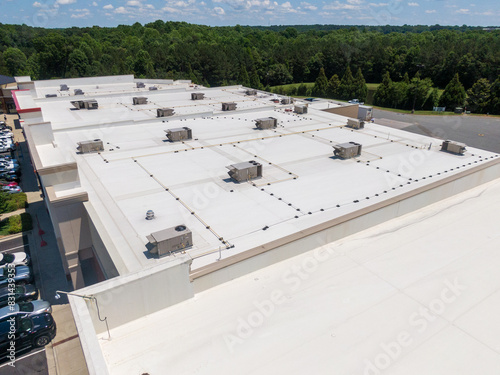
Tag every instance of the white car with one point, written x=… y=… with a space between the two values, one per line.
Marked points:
x=17 y=259
x=12 y=189
x=26 y=308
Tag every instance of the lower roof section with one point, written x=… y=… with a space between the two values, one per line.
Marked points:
x=414 y=295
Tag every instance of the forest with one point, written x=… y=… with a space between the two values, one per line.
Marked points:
x=410 y=62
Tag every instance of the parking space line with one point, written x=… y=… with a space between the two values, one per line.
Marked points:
x=24 y=356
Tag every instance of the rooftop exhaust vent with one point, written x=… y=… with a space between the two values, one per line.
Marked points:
x=228 y=106
x=85 y=104
x=286 y=101
x=251 y=92
x=163 y=112
x=347 y=150
x=150 y=215
x=51 y=95
x=170 y=240
x=137 y=100
x=245 y=171
x=197 y=96
x=86 y=147
x=300 y=108
x=266 y=123
x=355 y=123
x=153 y=88
x=140 y=85
x=453 y=147
x=79 y=92
x=64 y=87
x=179 y=134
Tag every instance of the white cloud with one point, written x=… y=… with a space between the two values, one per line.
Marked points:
x=121 y=10
x=430 y=11
x=413 y=4
x=65 y=2
x=462 y=11
x=287 y=7
x=376 y=5
x=337 y=5
x=355 y=2
x=150 y=6
x=170 y=10
x=219 y=11
x=94 y=4
x=307 y=6
x=109 y=6
x=134 y=3
x=36 y=4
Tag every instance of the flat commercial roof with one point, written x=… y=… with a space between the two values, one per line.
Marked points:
x=303 y=184
x=415 y=295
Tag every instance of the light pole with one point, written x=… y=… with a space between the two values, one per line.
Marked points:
x=91 y=298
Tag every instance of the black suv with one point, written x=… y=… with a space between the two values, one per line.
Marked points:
x=25 y=332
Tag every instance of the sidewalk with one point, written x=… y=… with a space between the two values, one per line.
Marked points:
x=64 y=354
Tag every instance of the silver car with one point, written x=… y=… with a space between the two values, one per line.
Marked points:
x=17 y=259
x=26 y=308
x=20 y=274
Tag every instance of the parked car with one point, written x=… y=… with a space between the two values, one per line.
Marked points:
x=11 y=189
x=21 y=293
x=18 y=259
x=22 y=275
x=33 y=331
x=9 y=176
x=25 y=308
x=7 y=183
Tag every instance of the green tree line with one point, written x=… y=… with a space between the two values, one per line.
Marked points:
x=261 y=57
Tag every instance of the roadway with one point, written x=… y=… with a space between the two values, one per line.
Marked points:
x=476 y=131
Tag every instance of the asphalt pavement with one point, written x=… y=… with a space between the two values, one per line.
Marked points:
x=481 y=132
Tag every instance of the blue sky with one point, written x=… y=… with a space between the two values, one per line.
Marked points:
x=65 y=13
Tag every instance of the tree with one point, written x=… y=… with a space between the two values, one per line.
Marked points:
x=321 y=84
x=255 y=80
x=15 y=60
x=453 y=95
x=333 y=87
x=143 y=65
x=360 y=84
x=78 y=63
x=479 y=96
x=494 y=106
x=347 y=89
x=243 y=78
x=384 y=95
x=432 y=100
x=418 y=91
x=278 y=74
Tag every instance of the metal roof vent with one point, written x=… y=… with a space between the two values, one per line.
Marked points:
x=300 y=108
x=150 y=215
x=140 y=85
x=245 y=171
x=251 y=92
x=51 y=95
x=287 y=100
x=170 y=240
x=79 y=92
x=228 y=106
x=153 y=88
x=64 y=87
x=197 y=96
x=355 y=123
x=266 y=123
x=163 y=112
x=179 y=134
x=86 y=147
x=453 y=147
x=347 y=150
x=139 y=100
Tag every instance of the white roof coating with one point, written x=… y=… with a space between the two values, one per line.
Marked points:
x=424 y=301
x=303 y=184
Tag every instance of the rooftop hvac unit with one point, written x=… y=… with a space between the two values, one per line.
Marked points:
x=355 y=123
x=64 y=87
x=228 y=106
x=139 y=100
x=245 y=171
x=453 y=147
x=286 y=101
x=79 y=92
x=164 y=112
x=251 y=92
x=86 y=147
x=51 y=95
x=302 y=108
x=347 y=150
x=170 y=240
x=197 y=95
x=87 y=104
x=179 y=134
x=266 y=123
x=140 y=85
x=153 y=88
